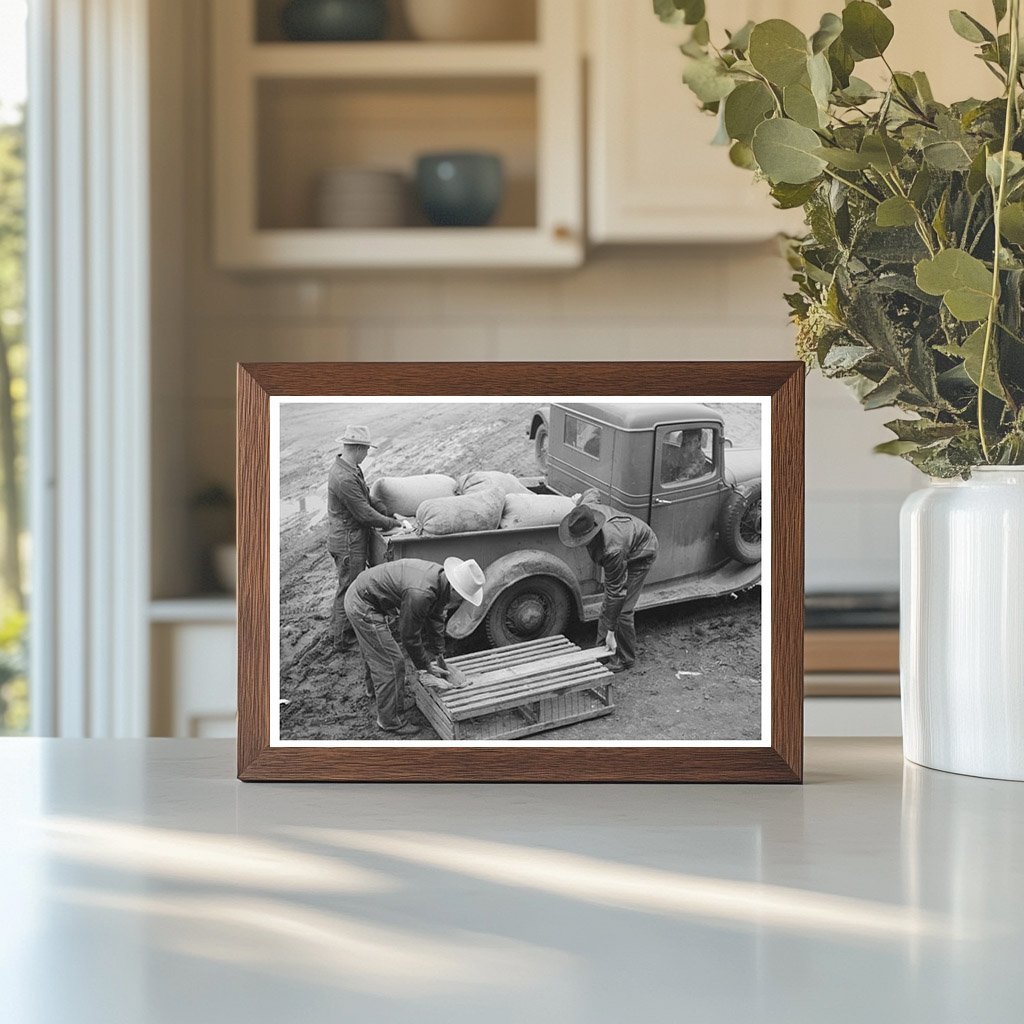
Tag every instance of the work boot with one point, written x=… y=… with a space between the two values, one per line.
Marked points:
x=617 y=665
x=405 y=729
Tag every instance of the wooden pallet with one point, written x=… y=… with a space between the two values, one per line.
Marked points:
x=518 y=690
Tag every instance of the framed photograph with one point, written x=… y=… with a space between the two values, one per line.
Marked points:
x=520 y=572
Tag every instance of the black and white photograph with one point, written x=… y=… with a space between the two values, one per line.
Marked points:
x=578 y=571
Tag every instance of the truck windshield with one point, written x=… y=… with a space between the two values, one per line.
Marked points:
x=686 y=455
x=583 y=436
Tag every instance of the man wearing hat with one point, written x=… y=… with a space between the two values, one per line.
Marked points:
x=423 y=596
x=352 y=514
x=625 y=548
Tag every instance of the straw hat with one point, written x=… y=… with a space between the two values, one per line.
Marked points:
x=467 y=578
x=355 y=435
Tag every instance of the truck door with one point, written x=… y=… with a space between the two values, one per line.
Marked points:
x=685 y=488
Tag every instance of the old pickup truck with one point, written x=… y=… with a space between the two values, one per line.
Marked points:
x=667 y=464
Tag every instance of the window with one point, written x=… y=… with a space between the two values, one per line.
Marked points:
x=687 y=455
x=14 y=707
x=583 y=436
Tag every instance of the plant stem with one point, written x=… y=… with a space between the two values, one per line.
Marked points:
x=993 y=309
x=850 y=184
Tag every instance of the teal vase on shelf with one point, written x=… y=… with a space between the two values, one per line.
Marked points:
x=330 y=21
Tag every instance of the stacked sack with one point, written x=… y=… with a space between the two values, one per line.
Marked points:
x=529 y=509
x=481 y=479
x=463 y=513
x=403 y=495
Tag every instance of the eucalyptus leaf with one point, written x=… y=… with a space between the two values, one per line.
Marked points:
x=829 y=30
x=739 y=41
x=745 y=108
x=844 y=159
x=789 y=197
x=741 y=155
x=895 y=212
x=969 y=28
x=708 y=81
x=1012 y=223
x=779 y=51
x=883 y=153
x=963 y=281
x=675 y=12
x=972 y=353
x=785 y=152
x=866 y=29
x=800 y=105
x=947 y=156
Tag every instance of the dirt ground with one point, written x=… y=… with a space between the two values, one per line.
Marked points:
x=699 y=670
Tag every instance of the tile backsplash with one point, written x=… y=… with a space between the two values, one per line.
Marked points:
x=718 y=302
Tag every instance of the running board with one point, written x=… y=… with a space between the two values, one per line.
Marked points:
x=728 y=579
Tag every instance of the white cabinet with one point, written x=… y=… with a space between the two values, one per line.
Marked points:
x=286 y=113
x=653 y=175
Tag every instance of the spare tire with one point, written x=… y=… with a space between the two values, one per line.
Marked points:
x=740 y=524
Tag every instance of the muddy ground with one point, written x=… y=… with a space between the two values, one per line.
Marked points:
x=699 y=669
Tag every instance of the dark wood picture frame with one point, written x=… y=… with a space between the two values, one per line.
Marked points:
x=781 y=761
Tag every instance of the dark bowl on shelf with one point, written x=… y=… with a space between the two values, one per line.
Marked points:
x=333 y=21
x=461 y=190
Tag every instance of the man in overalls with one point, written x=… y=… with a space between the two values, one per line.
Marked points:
x=422 y=595
x=625 y=549
x=352 y=515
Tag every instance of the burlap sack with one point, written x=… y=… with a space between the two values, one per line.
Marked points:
x=464 y=513
x=482 y=478
x=534 y=510
x=402 y=495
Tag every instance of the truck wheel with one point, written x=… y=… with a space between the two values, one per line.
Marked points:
x=740 y=525
x=528 y=610
x=540 y=447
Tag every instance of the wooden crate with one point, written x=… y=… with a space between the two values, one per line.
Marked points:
x=517 y=691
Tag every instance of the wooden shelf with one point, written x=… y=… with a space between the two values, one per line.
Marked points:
x=393 y=60
x=285 y=112
x=401 y=247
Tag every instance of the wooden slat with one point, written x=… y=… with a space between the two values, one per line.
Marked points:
x=512 y=651
x=475 y=696
x=536 y=668
x=510 y=701
x=546 y=726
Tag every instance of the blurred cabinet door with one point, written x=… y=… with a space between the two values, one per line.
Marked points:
x=653 y=174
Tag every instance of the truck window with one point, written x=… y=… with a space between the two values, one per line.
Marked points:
x=583 y=436
x=687 y=455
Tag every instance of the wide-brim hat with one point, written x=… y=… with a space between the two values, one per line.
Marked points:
x=355 y=434
x=466 y=578
x=580 y=526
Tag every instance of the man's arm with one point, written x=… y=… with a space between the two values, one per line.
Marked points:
x=351 y=493
x=413 y=622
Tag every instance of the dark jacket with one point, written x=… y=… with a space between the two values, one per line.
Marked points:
x=350 y=506
x=624 y=540
x=418 y=593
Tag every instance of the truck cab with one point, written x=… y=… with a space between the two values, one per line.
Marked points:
x=668 y=464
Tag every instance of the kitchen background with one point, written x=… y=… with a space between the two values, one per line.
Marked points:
x=629 y=238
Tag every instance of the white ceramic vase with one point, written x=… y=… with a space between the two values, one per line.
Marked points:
x=962 y=624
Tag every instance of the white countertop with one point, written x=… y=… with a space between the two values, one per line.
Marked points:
x=143 y=885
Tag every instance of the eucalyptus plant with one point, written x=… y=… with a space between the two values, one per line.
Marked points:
x=910 y=278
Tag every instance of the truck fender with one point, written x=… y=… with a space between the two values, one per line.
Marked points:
x=501 y=574
x=539 y=420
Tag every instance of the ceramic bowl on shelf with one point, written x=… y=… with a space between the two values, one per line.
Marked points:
x=361 y=198
x=470 y=20
x=460 y=189
x=332 y=21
